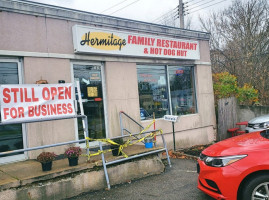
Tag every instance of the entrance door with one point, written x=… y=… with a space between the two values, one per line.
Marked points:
x=90 y=80
x=11 y=136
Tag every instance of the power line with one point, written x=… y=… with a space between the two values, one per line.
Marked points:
x=206 y=7
x=124 y=7
x=166 y=19
x=190 y=1
x=210 y=1
x=195 y=3
x=166 y=16
x=172 y=10
x=113 y=6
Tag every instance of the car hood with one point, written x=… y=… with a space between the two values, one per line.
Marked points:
x=238 y=145
x=258 y=120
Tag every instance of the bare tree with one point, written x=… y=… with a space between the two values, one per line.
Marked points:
x=240 y=43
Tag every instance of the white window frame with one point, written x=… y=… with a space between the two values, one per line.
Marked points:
x=20 y=157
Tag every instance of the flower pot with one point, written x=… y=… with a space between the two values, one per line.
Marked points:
x=115 y=150
x=73 y=161
x=46 y=166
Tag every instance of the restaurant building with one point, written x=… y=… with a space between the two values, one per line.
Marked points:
x=140 y=68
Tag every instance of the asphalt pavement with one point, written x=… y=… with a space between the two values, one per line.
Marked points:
x=178 y=182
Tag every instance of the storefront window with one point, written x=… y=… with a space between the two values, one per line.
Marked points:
x=153 y=91
x=10 y=135
x=152 y=86
x=182 y=90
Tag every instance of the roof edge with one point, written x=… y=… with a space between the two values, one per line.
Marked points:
x=40 y=9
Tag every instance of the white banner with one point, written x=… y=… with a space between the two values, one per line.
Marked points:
x=103 y=41
x=36 y=102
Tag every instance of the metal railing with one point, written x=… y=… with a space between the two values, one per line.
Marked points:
x=132 y=119
x=154 y=151
x=84 y=117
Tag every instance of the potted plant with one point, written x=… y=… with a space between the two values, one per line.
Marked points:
x=46 y=158
x=72 y=153
x=115 y=148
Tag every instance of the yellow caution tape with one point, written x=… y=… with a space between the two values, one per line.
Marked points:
x=126 y=144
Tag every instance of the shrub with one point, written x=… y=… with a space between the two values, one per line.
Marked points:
x=247 y=95
x=225 y=85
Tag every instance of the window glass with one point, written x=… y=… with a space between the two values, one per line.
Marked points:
x=9 y=73
x=152 y=86
x=182 y=90
x=10 y=135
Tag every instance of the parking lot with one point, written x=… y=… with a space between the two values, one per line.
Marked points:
x=178 y=182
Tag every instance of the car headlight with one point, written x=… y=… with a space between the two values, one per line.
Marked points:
x=261 y=125
x=222 y=161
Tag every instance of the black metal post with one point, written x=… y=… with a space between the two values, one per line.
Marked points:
x=173 y=124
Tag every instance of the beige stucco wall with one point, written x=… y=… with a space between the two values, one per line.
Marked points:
x=35 y=34
x=44 y=133
x=122 y=95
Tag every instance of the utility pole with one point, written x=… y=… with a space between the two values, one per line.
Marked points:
x=181 y=13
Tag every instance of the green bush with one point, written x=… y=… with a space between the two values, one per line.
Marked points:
x=225 y=86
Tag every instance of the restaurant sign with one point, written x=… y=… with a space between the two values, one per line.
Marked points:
x=104 y=41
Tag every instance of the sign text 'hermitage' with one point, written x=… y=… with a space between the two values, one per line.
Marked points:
x=104 y=41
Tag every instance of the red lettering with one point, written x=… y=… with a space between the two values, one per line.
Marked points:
x=33 y=95
x=13 y=112
x=59 y=109
x=53 y=109
x=46 y=94
x=6 y=95
x=25 y=94
x=70 y=109
x=31 y=111
x=187 y=45
x=15 y=90
x=6 y=113
x=64 y=109
x=43 y=110
x=183 y=45
x=20 y=112
x=191 y=46
x=48 y=109
x=67 y=92
x=159 y=43
x=61 y=92
x=21 y=94
x=37 y=111
x=129 y=39
x=195 y=46
x=53 y=91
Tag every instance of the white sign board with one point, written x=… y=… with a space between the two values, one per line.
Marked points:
x=170 y=118
x=113 y=42
x=36 y=102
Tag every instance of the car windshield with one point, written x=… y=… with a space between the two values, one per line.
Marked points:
x=265 y=134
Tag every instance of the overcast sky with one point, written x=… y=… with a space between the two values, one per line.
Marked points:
x=142 y=10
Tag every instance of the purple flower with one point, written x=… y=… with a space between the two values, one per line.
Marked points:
x=72 y=152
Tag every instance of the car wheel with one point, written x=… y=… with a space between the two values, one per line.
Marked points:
x=256 y=188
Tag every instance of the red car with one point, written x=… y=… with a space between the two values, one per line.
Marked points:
x=236 y=168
